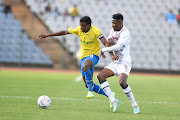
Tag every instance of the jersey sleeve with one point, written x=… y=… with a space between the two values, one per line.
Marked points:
x=124 y=37
x=99 y=34
x=74 y=30
x=110 y=34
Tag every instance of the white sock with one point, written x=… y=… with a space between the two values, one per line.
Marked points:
x=130 y=95
x=107 y=90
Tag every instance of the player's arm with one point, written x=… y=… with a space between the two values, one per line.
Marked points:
x=110 y=40
x=116 y=47
x=110 y=43
x=106 y=44
x=120 y=44
x=103 y=40
x=60 y=33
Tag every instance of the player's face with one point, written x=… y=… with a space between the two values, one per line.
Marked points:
x=84 y=27
x=116 y=25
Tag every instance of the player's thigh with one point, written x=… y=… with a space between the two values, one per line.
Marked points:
x=90 y=62
x=123 y=68
x=105 y=73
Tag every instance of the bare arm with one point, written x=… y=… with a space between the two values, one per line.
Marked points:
x=120 y=44
x=103 y=40
x=116 y=47
x=60 y=33
x=110 y=43
x=106 y=44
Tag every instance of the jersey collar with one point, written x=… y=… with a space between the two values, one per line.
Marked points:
x=89 y=30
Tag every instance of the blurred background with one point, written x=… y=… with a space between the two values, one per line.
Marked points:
x=154 y=26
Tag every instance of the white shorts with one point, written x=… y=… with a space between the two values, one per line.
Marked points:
x=118 y=68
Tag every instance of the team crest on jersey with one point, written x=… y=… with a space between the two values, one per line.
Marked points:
x=116 y=37
x=89 y=37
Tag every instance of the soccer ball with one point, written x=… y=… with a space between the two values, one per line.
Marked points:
x=44 y=101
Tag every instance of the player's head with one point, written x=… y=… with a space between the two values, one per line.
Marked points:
x=117 y=21
x=85 y=23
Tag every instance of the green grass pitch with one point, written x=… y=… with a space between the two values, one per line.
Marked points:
x=157 y=96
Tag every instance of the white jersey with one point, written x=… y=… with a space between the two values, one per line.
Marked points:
x=121 y=37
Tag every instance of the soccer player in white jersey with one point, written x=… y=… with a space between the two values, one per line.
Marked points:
x=121 y=65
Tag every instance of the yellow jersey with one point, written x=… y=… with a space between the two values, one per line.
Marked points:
x=89 y=40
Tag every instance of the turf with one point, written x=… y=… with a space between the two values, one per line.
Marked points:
x=158 y=97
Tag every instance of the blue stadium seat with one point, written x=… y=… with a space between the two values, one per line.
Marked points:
x=137 y=18
x=10 y=41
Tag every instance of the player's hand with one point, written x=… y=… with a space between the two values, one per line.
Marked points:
x=115 y=57
x=110 y=42
x=102 y=54
x=42 y=36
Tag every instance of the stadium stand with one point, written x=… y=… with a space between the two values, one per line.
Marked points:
x=155 y=43
x=15 y=45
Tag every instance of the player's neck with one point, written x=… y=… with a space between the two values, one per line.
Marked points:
x=119 y=29
x=88 y=30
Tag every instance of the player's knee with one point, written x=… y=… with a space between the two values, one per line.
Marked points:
x=100 y=77
x=85 y=68
x=123 y=84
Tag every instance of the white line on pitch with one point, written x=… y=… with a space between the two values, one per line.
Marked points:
x=83 y=99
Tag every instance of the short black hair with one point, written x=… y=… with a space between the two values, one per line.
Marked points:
x=86 y=19
x=117 y=16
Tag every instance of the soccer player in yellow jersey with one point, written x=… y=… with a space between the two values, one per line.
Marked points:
x=89 y=37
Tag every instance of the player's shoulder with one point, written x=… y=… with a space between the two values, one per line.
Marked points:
x=112 y=30
x=94 y=28
x=78 y=27
x=125 y=31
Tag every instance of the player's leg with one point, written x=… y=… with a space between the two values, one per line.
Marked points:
x=90 y=94
x=87 y=68
x=87 y=65
x=127 y=90
x=102 y=76
x=84 y=81
x=87 y=75
x=96 y=88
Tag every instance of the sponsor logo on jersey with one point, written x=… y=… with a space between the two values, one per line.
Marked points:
x=89 y=42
